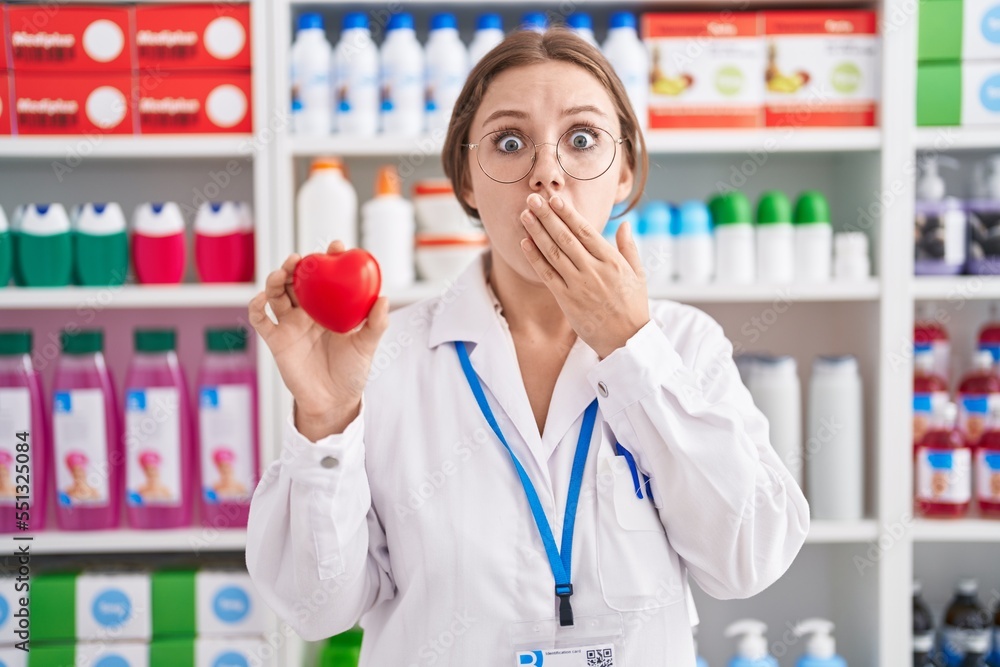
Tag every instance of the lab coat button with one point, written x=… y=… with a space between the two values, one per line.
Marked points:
x=602 y=389
x=329 y=462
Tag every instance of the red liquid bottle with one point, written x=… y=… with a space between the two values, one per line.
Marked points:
x=987 y=457
x=930 y=391
x=944 y=468
x=978 y=391
x=989 y=338
x=929 y=334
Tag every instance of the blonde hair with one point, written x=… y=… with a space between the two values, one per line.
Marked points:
x=526 y=47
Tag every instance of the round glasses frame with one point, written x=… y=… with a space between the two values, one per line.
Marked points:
x=534 y=154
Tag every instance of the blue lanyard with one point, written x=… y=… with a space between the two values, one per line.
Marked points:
x=559 y=559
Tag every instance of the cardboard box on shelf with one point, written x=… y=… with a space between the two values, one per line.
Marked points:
x=119 y=654
x=197 y=103
x=90 y=607
x=193 y=36
x=206 y=603
x=50 y=103
x=951 y=30
x=6 y=108
x=707 y=69
x=60 y=38
x=822 y=68
x=14 y=616
x=958 y=93
x=4 y=32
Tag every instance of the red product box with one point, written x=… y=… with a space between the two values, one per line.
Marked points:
x=196 y=103
x=4 y=64
x=822 y=68
x=5 y=112
x=194 y=36
x=80 y=38
x=46 y=103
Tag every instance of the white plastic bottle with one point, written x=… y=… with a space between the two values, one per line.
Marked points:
x=656 y=246
x=813 y=238
x=850 y=257
x=775 y=239
x=774 y=385
x=694 y=248
x=630 y=59
x=388 y=226
x=489 y=33
x=402 y=74
x=582 y=25
x=735 y=254
x=312 y=62
x=355 y=81
x=821 y=649
x=834 y=440
x=326 y=208
x=447 y=67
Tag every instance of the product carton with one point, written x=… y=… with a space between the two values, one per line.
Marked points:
x=57 y=38
x=822 y=68
x=707 y=69
x=207 y=603
x=197 y=102
x=952 y=30
x=193 y=37
x=91 y=607
x=50 y=103
x=958 y=93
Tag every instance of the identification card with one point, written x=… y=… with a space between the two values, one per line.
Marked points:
x=593 y=641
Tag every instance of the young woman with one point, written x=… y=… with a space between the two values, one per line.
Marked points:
x=539 y=459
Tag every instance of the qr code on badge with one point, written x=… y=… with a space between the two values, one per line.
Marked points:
x=600 y=657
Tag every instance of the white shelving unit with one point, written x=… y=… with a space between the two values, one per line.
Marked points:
x=872 y=319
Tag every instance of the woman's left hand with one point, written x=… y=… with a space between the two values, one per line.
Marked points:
x=600 y=288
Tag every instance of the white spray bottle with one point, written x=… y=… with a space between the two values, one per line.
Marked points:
x=940 y=222
x=821 y=649
x=752 y=648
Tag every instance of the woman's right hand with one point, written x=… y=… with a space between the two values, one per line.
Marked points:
x=325 y=371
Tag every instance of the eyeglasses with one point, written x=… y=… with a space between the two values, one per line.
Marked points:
x=583 y=152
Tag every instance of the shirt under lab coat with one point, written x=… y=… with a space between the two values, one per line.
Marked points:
x=413 y=519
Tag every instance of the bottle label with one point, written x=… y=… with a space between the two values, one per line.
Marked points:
x=992 y=348
x=153 y=446
x=944 y=475
x=15 y=417
x=988 y=477
x=226 y=436
x=955 y=643
x=973 y=414
x=81 y=448
x=924 y=405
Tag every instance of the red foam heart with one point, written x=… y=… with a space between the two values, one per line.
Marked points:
x=339 y=290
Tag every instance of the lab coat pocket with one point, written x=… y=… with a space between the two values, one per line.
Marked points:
x=637 y=567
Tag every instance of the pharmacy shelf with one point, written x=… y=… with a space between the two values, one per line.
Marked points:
x=868 y=290
x=193 y=540
x=77 y=147
x=954 y=288
x=842 y=532
x=642 y=5
x=127 y=296
x=960 y=530
x=658 y=142
x=957 y=138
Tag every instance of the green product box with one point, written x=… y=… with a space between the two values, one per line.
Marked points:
x=958 y=30
x=966 y=93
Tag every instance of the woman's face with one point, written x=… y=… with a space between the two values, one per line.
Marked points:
x=542 y=102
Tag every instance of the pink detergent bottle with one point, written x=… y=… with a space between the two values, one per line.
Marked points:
x=86 y=436
x=227 y=429
x=158 y=435
x=25 y=443
x=978 y=390
x=220 y=243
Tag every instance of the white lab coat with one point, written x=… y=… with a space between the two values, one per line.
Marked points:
x=414 y=521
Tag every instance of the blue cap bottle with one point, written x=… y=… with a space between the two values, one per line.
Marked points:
x=752 y=648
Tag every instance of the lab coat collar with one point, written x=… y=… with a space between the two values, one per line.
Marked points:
x=472 y=316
